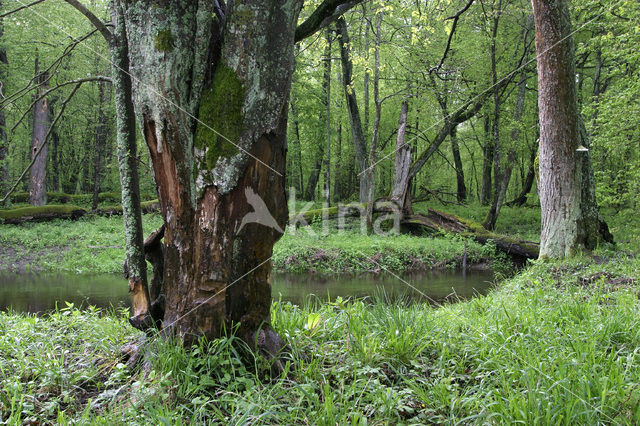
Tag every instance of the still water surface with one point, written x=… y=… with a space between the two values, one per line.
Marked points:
x=41 y=292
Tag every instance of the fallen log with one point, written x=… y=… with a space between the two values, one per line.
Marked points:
x=435 y=221
x=66 y=211
x=40 y=214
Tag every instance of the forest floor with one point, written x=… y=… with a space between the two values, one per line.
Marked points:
x=558 y=343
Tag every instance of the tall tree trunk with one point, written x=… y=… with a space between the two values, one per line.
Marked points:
x=298 y=147
x=314 y=177
x=221 y=180
x=4 y=147
x=400 y=191
x=487 y=163
x=498 y=176
x=101 y=136
x=359 y=143
x=461 y=188
x=327 y=85
x=371 y=175
x=568 y=222
x=136 y=270
x=55 y=161
x=41 y=124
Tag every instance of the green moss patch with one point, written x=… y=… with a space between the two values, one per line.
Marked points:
x=44 y=211
x=221 y=110
x=163 y=41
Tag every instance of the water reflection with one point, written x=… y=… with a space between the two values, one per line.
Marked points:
x=41 y=293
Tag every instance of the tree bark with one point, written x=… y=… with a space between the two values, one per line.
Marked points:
x=461 y=187
x=327 y=83
x=359 y=143
x=568 y=218
x=41 y=124
x=373 y=150
x=136 y=271
x=211 y=174
x=400 y=192
x=101 y=137
x=4 y=148
x=487 y=163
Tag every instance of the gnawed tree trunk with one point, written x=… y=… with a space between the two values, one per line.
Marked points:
x=357 y=135
x=569 y=212
x=228 y=167
x=41 y=124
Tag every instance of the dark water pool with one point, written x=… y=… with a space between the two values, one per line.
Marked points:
x=41 y=292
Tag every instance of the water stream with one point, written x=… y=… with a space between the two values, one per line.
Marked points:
x=43 y=292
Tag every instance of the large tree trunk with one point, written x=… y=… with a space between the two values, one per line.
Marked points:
x=41 y=124
x=216 y=175
x=359 y=143
x=487 y=163
x=568 y=219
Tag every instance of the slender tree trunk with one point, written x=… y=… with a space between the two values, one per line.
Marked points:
x=359 y=143
x=527 y=185
x=568 y=219
x=487 y=163
x=136 y=270
x=314 y=177
x=327 y=84
x=55 y=161
x=371 y=185
x=4 y=147
x=41 y=124
x=101 y=136
x=298 y=147
x=498 y=175
x=400 y=192
x=461 y=188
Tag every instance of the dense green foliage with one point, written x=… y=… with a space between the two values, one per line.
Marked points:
x=556 y=344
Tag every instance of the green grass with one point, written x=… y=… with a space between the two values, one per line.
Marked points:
x=96 y=245
x=558 y=344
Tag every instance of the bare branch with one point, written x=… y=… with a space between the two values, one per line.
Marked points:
x=51 y=70
x=455 y=18
x=324 y=15
x=44 y=142
x=100 y=26
x=66 y=83
x=20 y=8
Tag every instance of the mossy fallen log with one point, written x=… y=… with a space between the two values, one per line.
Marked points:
x=43 y=213
x=65 y=211
x=435 y=221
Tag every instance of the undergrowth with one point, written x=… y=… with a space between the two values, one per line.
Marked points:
x=558 y=344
